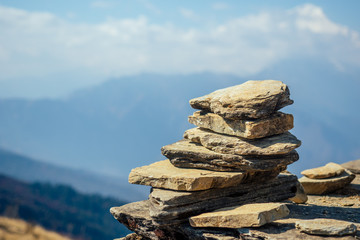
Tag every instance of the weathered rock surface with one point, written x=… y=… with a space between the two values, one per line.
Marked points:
x=327 y=185
x=135 y=216
x=327 y=227
x=276 y=123
x=353 y=166
x=131 y=236
x=341 y=205
x=329 y=170
x=187 y=154
x=165 y=175
x=300 y=196
x=248 y=215
x=252 y=99
x=275 y=145
x=168 y=205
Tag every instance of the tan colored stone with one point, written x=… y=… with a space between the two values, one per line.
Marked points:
x=188 y=154
x=301 y=196
x=252 y=99
x=221 y=143
x=249 y=215
x=326 y=185
x=276 y=123
x=329 y=170
x=353 y=166
x=326 y=227
x=165 y=175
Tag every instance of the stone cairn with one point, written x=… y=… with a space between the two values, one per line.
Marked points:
x=326 y=179
x=225 y=174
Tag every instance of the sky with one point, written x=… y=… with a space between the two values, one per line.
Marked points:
x=48 y=49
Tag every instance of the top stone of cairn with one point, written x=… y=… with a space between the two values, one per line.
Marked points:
x=252 y=99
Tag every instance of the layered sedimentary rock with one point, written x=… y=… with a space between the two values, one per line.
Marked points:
x=276 y=123
x=252 y=99
x=165 y=175
x=274 y=145
x=135 y=216
x=234 y=157
x=168 y=204
x=187 y=154
x=326 y=185
x=329 y=170
x=248 y=215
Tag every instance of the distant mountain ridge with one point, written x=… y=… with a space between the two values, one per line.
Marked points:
x=123 y=123
x=30 y=170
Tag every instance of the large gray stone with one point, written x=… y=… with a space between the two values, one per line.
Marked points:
x=326 y=185
x=135 y=216
x=326 y=227
x=221 y=143
x=171 y=205
x=276 y=123
x=163 y=174
x=187 y=154
x=248 y=215
x=252 y=99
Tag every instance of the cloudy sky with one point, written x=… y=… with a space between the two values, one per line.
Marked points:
x=50 y=48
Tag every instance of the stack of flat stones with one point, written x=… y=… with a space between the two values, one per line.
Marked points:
x=234 y=157
x=326 y=179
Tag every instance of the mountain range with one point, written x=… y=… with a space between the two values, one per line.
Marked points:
x=30 y=170
x=121 y=124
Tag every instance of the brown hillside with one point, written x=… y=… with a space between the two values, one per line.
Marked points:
x=16 y=229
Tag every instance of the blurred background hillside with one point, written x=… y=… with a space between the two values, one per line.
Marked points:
x=91 y=89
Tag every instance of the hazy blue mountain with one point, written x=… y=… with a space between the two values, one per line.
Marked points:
x=29 y=170
x=124 y=122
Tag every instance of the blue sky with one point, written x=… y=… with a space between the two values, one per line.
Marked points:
x=51 y=48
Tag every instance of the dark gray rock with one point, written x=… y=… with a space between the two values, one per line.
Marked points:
x=187 y=154
x=171 y=205
x=135 y=216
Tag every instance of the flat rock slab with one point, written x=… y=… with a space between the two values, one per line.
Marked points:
x=135 y=216
x=275 y=145
x=169 y=205
x=327 y=185
x=187 y=154
x=137 y=219
x=248 y=215
x=326 y=227
x=163 y=174
x=329 y=170
x=252 y=99
x=276 y=123
x=353 y=166
x=330 y=207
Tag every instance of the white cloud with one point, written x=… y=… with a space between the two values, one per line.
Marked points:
x=35 y=44
x=312 y=18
